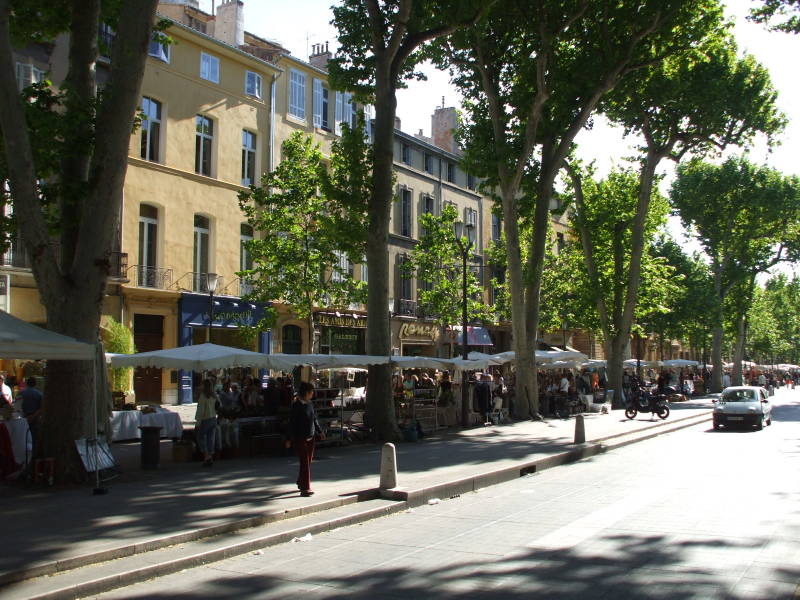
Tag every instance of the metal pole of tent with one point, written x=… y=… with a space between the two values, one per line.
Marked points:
x=97 y=491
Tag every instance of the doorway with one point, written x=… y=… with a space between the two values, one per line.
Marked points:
x=148 y=334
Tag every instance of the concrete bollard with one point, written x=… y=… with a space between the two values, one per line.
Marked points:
x=580 y=431
x=388 y=467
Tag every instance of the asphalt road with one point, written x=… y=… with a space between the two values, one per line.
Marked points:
x=693 y=514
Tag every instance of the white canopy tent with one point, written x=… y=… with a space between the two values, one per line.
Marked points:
x=25 y=341
x=202 y=357
x=632 y=363
x=680 y=362
x=542 y=356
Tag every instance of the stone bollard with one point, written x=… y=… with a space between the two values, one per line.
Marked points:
x=580 y=431
x=388 y=467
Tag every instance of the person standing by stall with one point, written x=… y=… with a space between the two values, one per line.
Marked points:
x=303 y=429
x=206 y=422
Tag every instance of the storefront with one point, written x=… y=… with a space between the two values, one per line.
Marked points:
x=341 y=334
x=230 y=315
x=417 y=338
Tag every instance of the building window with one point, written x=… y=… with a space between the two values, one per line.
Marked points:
x=200 y=258
x=405 y=153
x=404 y=287
x=204 y=138
x=318 y=106
x=27 y=75
x=209 y=67
x=451 y=172
x=326 y=125
x=471 y=182
x=151 y=129
x=248 y=158
x=342 y=269
x=428 y=208
x=196 y=24
x=105 y=39
x=148 y=239
x=405 y=212
x=364 y=271
x=428 y=163
x=292 y=343
x=297 y=94
x=497 y=227
x=157 y=49
x=252 y=84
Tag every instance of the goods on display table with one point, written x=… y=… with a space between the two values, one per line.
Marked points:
x=125 y=424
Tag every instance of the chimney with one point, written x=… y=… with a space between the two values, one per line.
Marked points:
x=397 y=123
x=229 y=23
x=320 y=55
x=443 y=122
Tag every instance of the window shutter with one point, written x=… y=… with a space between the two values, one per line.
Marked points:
x=203 y=66
x=368 y=122
x=317 y=102
x=214 y=64
x=337 y=122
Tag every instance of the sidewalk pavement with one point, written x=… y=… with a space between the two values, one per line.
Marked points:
x=46 y=531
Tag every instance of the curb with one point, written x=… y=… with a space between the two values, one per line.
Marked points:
x=400 y=499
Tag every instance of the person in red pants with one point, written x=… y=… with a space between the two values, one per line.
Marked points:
x=303 y=429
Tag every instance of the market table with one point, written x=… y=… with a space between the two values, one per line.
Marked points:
x=125 y=424
x=21 y=443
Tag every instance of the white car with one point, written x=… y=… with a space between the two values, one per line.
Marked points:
x=744 y=405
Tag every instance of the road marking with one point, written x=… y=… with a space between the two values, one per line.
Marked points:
x=580 y=529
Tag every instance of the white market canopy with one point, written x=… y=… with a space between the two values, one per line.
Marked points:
x=680 y=362
x=632 y=363
x=543 y=357
x=201 y=357
x=25 y=341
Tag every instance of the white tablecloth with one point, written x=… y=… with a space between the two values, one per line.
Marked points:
x=21 y=443
x=125 y=424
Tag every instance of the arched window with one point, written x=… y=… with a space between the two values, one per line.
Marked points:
x=292 y=344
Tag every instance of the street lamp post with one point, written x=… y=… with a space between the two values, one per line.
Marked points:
x=211 y=284
x=464 y=245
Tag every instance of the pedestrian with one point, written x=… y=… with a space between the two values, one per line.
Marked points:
x=206 y=422
x=303 y=429
x=31 y=400
x=483 y=393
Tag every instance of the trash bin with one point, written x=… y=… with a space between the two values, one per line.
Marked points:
x=151 y=446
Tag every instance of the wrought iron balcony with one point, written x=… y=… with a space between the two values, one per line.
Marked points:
x=198 y=282
x=16 y=256
x=238 y=287
x=151 y=277
x=406 y=308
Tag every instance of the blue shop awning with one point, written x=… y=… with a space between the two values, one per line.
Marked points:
x=476 y=336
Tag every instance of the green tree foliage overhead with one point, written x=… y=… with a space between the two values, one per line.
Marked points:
x=532 y=74
x=747 y=219
x=436 y=262
x=305 y=238
x=785 y=12
x=783 y=303
x=118 y=338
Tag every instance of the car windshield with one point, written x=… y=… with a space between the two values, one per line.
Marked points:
x=739 y=396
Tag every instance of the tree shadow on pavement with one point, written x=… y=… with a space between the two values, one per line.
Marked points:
x=619 y=567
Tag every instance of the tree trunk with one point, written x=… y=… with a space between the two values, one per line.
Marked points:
x=614 y=371
x=717 y=332
x=738 y=350
x=380 y=403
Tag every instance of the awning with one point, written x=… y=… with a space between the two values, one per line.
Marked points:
x=476 y=336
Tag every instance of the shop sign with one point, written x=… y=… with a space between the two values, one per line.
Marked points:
x=340 y=321
x=428 y=331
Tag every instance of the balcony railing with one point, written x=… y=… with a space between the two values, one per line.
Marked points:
x=150 y=277
x=238 y=287
x=406 y=308
x=16 y=256
x=198 y=282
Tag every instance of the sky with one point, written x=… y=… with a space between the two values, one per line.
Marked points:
x=278 y=20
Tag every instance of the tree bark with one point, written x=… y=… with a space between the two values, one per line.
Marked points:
x=380 y=403
x=738 y=350
x=717 y=331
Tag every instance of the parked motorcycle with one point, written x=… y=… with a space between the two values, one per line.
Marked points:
x=643 y=401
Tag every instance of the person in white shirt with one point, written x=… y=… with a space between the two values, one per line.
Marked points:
x=726 y=380
x=762 y=380
x=6 y=398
